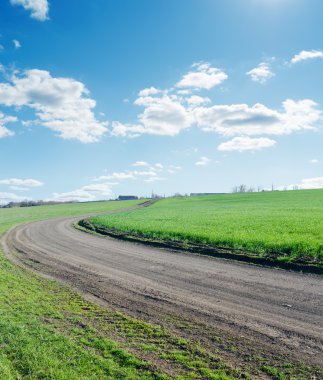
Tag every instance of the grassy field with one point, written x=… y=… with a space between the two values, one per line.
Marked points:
x=10 y=217
x=285 y=225
x=50 y=332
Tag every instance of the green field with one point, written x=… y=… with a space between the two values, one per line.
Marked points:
x=50 y=332
x=10 y=217
x=285 y=225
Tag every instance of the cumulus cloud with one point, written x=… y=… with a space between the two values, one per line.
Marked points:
x=240 y=119
x=60 y=104
x=154 y=179
x=314 y=161
x=203 y=161
x=140 y=163
x=261 y=73
x=78 y=195
x=149 y=91
x=151 y=172
x=304 y=55
x=117 y=176
x=169 y=112
x=4 y=119
x=162 y=115
x=5 y=132
x=203 y=76
x=21 y=182
x=6 y=198
x=241 y=144
x=38 y=8
x=16 y=44
x=305 y=184
x=86 y=193
x=312 y=183
x=197 y=100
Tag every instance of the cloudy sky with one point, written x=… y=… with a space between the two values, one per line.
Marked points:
x=108 y=97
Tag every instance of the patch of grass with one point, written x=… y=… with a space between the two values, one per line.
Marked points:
x=39 y=337
x=285 y=225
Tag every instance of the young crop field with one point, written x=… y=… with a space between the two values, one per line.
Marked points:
x=10 y=217
x=285 y=225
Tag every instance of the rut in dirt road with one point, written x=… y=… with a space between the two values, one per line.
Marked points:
x=282 y=310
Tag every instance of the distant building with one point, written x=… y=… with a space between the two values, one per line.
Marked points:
x=127 y=197
x=202 y=194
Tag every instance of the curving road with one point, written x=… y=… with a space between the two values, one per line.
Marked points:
x=269 y=307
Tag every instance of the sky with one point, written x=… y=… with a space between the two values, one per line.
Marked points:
x=108 y=97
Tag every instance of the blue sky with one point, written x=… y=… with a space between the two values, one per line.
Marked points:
x=101 y=98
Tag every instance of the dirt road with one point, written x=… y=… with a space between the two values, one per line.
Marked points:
x=271 y=310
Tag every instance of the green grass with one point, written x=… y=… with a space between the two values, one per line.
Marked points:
x=286 y=225
x=10 y=217
x=32 y=348
x=48 y=331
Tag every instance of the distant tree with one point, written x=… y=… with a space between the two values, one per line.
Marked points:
x=242 y=189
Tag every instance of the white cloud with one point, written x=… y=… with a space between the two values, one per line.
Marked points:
x=204 y=76
x=169 y=112
x=127 y=130
x=99 y=188
x=162 y=115
x=116 y=175
x=21 y=182
x=6 y=198
x=172 y=169
x=184 y=92
x=60 y=104
x=312 y=183
x=78 y=195
x=246 y=143
x=307 y=54
x=197 y=100
x=4 y=119
x=203 y=161
x=154 y=179
x=86 y=193
x=314 y=161
x=5 y=132
x=261 y=73
x=140 y=163
x=17 y=44
x=152 y=173
x=149 y=91
x=38 y=8
x=240 y=119
x=305 y=184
